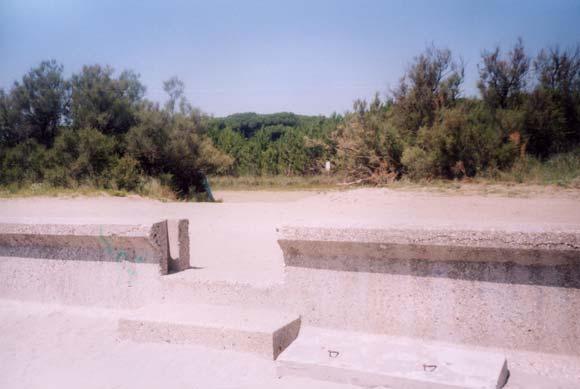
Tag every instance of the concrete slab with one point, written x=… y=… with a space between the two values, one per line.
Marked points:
x=98 y=241
x=54 y=346
x=263 y=332
x=371 y=360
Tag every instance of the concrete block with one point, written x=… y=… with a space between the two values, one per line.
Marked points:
x=178 y=231
x=379 y=361
x=554 y=248
x=140 y=243
x=263 y=332
x=531 y=258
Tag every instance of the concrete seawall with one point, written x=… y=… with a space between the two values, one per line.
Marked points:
x=140 y=243
x=538 y=258
x=490 y=288
x=453 y=286
x=165 y=243
x=97 y=263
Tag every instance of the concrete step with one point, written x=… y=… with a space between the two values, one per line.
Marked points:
x=388 y=362
x=263 y=332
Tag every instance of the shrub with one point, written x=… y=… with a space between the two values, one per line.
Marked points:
x=148 y=141
x=126 y=174
x=155 y=187
x=59 y=176
x=368 y=148
x=418 y=163
x=87 y=154
x=191 y=155
x=465 y=141
x=23 y=163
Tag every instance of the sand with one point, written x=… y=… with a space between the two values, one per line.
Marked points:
x=235 y=241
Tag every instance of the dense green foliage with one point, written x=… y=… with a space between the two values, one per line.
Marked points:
x=282 y=143
x=95 y=128
x=425 y=129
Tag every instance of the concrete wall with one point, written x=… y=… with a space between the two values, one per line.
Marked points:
x=527 y=317
x=512 y=316
x=178 y=231
x=91 y=283
x=454 y=286
x=140 y=243
x=88 y=264
x=513 y=290
x=165 y=243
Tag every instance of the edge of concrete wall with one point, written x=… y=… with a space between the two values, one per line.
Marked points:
x=301 y=244
x=178 y=231
x=140 y=243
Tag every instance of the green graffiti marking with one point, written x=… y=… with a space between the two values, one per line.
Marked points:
x=120 y=255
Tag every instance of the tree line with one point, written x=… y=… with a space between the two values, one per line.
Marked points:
x=96 y=128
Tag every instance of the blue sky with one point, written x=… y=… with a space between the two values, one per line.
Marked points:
x=311 y=57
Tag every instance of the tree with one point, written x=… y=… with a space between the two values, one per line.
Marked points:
x=233 y=144
x=502 y=81
x=36 y=106
x=23 y=163
x=103 y=102
x=464 y=141
x=553 y=109
x=559 y=70
x=87 y=155
x=368 y=147
x=148 y=141
x=432 y=82
x=191 y=154
x=175 y=145
x=175 y=88
x=293 y=156
x=9 y=121
x=126 y=173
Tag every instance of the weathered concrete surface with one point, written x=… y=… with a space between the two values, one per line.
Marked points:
x=248 y=267
x=47 y=345
x=137 y=243
x=51 y=346
x=491 y=314
x=252 y=254
x=178 y=231
x=512 y=316
x=263 y=332
x=90 y=283
x=485 y=310
x=379 y=361
x=347 y=247
x=493 y=288
x=248 y=270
